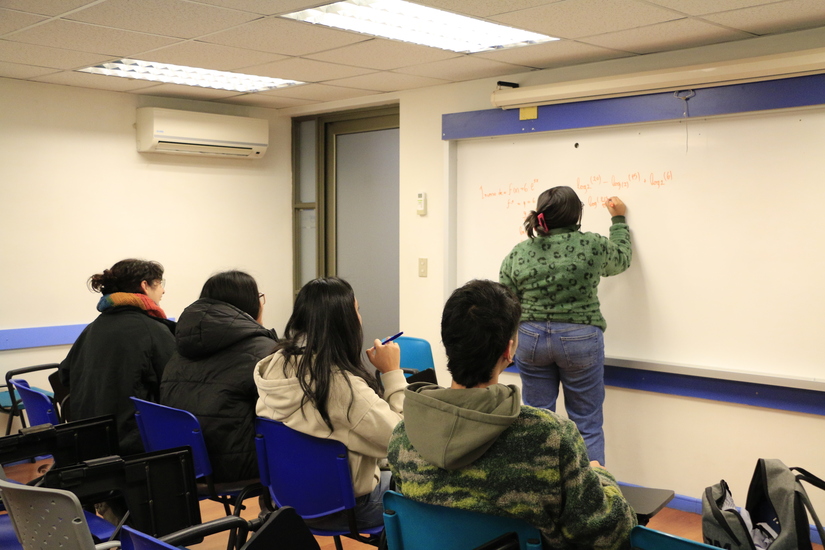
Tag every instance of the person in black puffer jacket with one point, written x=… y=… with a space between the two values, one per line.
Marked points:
x=219 y=341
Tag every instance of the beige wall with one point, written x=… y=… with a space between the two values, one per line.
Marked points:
x=76 y=196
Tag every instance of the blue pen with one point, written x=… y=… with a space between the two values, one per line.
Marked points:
x=391 y=338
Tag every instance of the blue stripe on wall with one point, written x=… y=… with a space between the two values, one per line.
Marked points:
x=38 y=337
x=784 y=93
x=730 y=391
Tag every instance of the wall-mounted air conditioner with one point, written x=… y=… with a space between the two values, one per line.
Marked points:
x=200 y=134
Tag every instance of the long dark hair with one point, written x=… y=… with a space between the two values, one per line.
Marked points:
x=236 y=288
x=323 y=335
x=126 y=276
x=556 y=207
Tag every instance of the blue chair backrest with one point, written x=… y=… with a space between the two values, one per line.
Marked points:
x=39 y=406
x=416 y=353
x=412 y=525
x=645 y=538
x=308 y=473
x=163 y=428
x=131 y=539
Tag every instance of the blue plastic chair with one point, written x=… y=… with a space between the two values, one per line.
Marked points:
x=413 y=525
x=308 y=473
x=163 y=428
x=9 y=403
x=416 y=354
x=644 y=538
x=39 y=406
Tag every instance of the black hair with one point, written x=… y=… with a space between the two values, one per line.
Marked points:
x=126 y=276
x=236 y=288
x=324 y=335
x=560 y=206
x=478 y=322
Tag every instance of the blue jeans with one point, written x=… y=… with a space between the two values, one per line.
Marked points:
x=573 y=355
x=369 y=510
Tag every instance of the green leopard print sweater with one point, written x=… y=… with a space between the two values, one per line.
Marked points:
x=556 y=277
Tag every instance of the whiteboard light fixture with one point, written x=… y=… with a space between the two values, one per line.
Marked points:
x=755 y=69
x=408 y=22
x=188 y=76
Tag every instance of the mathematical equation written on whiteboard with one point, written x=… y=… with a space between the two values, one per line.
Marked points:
x=520 y=198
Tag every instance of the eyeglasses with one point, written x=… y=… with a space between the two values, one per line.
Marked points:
x=262 y=298
x=163 y=283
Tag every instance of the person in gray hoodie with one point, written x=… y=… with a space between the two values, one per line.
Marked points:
x=474 y=446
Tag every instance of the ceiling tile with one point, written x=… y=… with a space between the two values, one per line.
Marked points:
x=266 y=7
x=306 y=70
x=43 y=56
x=45 y=7
x=388 y=82
x=15 y=20
x=178 y=90
x=166 y=17
x=284 y=36
x=577 y=18
x=382 y=54
x=791 y=15
x=684 y=33
x=210 y=56
x=462 y=68
x=15 y=70
x=552 y=54
x=96 y=81
x=91 y=38
x=702 y=7
x=319 y=92
x=272 y=102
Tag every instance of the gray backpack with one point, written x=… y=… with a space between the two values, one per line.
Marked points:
x=775 y=514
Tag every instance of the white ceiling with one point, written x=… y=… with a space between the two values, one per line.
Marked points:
x=48 y=40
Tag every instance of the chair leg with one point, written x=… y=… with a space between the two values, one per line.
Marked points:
x=338 y=545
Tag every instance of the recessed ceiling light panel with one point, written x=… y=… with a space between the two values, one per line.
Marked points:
x=188 y=76
x=408 y=22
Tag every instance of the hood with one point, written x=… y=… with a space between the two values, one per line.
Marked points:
x=452 y=428
x=280 y=394
x=209 y=326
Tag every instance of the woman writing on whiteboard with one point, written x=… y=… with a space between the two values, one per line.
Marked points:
x=555 y=273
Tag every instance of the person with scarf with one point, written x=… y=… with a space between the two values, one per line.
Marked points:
x=122 y=353
x=555 y=274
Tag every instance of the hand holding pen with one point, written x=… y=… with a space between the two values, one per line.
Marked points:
x=385 y=355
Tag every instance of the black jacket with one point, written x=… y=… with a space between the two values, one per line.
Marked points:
x=210 y=375
x=120 y=354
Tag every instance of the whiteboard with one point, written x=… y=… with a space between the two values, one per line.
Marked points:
x=726 y=220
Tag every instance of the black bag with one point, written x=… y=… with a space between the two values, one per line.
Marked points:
x=775 y=514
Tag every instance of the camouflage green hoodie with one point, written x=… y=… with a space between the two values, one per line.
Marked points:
x=479 y=449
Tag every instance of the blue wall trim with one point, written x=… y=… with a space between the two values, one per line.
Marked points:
x=784 y=93
x=731 y=391
x=38 y=337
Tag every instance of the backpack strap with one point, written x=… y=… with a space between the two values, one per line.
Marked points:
x=805 y=475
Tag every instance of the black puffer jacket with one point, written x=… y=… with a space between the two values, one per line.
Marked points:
x=210 y=375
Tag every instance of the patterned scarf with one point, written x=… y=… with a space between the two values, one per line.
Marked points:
x=142 y=301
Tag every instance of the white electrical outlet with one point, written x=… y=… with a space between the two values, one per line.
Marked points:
x=422 y=267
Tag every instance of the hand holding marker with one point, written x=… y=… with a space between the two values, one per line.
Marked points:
x=385 y=359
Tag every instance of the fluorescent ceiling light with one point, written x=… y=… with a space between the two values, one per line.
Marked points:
x=188 y=76
x=410 y=22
